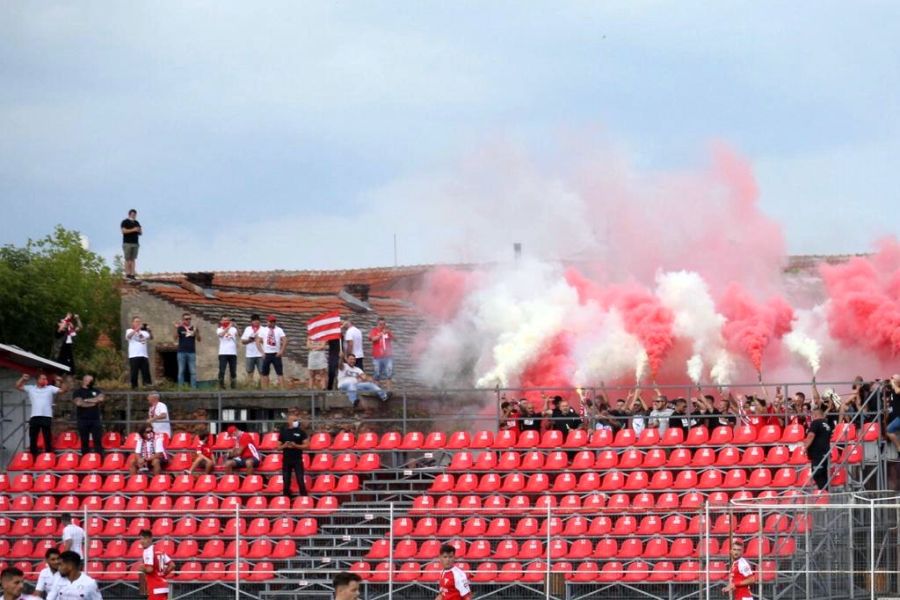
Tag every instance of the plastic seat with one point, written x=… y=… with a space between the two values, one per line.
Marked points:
x=769 y=434
x=682 y=547
x=698 y=436
x=611 y=572
x=624 y=438
x=188 y=527
x=583 y=460
x=324 y=462
x=760 y=478
x=111 y=440
x=489 y=482
x=843 y=433
x=649 y=437
x=743 y=435
x=728 y=457
x=661 y=480
x=429 y=550
x=593 y=503
x=68 y=461
x=871 y=432
x=586 y=572
x=321 y=440
x=587 y=482
x=470 y=504
x=535 y=572
x=367 y=440
x=499 y=527
x=90 y=462
x=461 y=461
x=734 y=479
x=517 y=504
x=654 y=458
x=600 y=527
x=636 y=572
x=753 y=456
x=613 y=480
x=344 y=440
x=306 y=527
x=533 y=461
x=667 y=501
x=485 y=573
x=680 y=457
x=710 y=480
x=436 y=440
x=505 y=439
x=686 y=480
x=630 y=459
x=459 y=440
x=422 y=504
x=663 y=571
x=625 y=525
x=511 y=571
x=649 y=525
x=576 y=438
x=636 y=480
x=674 y=436
x=24 y=482
x=688 y=571
x=530 y=438
x=618 y=503
x=784 y=477
x=552 y=438
x=478 y=549
x=703 y=457
x=601 y=438
x=508 y=461
x=482 y=440
x=113 y=461
x=580 y=549
x=691 y=501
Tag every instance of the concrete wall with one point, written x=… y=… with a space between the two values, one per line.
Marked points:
x=161 y=315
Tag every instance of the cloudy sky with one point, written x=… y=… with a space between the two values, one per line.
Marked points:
x=305 y=135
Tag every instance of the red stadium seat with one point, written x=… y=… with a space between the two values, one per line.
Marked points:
x=588 y=482
x=345 y=440
x=483 y=439
x=325 y=462
x=511 y=571
x=459 y=440
x=728 y=457
x=743 y=435
x=113 y=461
x=505 y=439
x=649 y=525
x=611 y=572
x=688 y=571
x=461 y=461
x=625 y=525
x=682 y=547
x=391 y=440
x=703 y=457
x=576 y=438
x=667 y=501
x=112 y=440
x=753 y=456
x=436 y=440
x=485 y=573
x=734 y=479
x=552 y=438
x=527 y=439
x=769 y=434
x=413 y=440
x=674 y=436
x=162 y=527
x=429 y=550
x=321 y=440
x=367 y=440
x=661 y=480
x=698 y=436
x=586 y=572
x=625 y=438
x=871 y=432
x=601 y=438
x=649 y=437
x=636 y=572
x=181 y=440
x=580 y=549
x=532 y=461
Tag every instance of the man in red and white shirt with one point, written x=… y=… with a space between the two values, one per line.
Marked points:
x=454 y=585
x=382 y=353
x=245 y=454
x=157 y=566
x=741 y=576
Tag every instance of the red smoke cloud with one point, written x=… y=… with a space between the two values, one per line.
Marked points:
x=864 y=308
x=750 y=326
x=444 y=291
x=647 y=319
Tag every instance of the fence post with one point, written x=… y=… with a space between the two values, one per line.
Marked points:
x=87 y=541
x=405 y=413
x=872 y=549
x=759 y=568
x=706 y=545
x=391 y=551
x=237 y=552
x=547 y=576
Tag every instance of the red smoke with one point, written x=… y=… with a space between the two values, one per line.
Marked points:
x=647 y=319
x=443 y=292
x=864 y=308
x=750 y=326
x=552 y=368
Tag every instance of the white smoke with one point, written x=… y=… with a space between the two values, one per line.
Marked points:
x=687 y=295
x=809 y=327
x=607 y=352
x=695 y=368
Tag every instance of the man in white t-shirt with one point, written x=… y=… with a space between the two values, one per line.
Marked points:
x=352 y=380
x=49 y=578
x=272 y=342
x=41 y=397
x=227 y=333
x=253 y=353
x=158 y=415
x=76 y=585
x=353 y=343
x=138 y=337
x=72 y=535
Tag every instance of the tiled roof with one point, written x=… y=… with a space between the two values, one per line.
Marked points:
x=383 y=281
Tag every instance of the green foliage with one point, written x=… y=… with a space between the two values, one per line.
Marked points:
x=47 y=278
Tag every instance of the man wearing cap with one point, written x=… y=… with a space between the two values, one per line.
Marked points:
x=272 y=341
x=245 y=454
x=253 y=353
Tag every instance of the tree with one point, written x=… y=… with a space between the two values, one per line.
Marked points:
x=45 y=279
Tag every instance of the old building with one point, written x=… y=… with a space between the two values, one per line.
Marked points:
x=361 y=295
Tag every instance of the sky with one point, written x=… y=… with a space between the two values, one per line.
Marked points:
x=287 y=135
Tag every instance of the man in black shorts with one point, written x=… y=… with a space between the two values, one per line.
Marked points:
x=272 y=341
x=293 y=442
x=818 y=446
x=131 y=231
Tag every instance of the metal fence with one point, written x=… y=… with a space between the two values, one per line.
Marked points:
x=840 y=547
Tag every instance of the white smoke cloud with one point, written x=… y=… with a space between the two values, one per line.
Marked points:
x=809 y=327
x=607 y=352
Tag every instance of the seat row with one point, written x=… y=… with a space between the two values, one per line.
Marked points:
x=181 y=461
x=438 y=440
x=580 y=549
x=577 y=526
x=595 y=502
x=652 y=458
x=48 y=483
x=590 y=481
x=184 y=527
x=535 y=572
x=183 y=503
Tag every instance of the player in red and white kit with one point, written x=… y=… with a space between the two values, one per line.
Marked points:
x=157 y=566
x=741 y=576
x=454 y=585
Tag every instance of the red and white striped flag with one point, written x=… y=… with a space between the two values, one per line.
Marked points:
x=325 y=327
